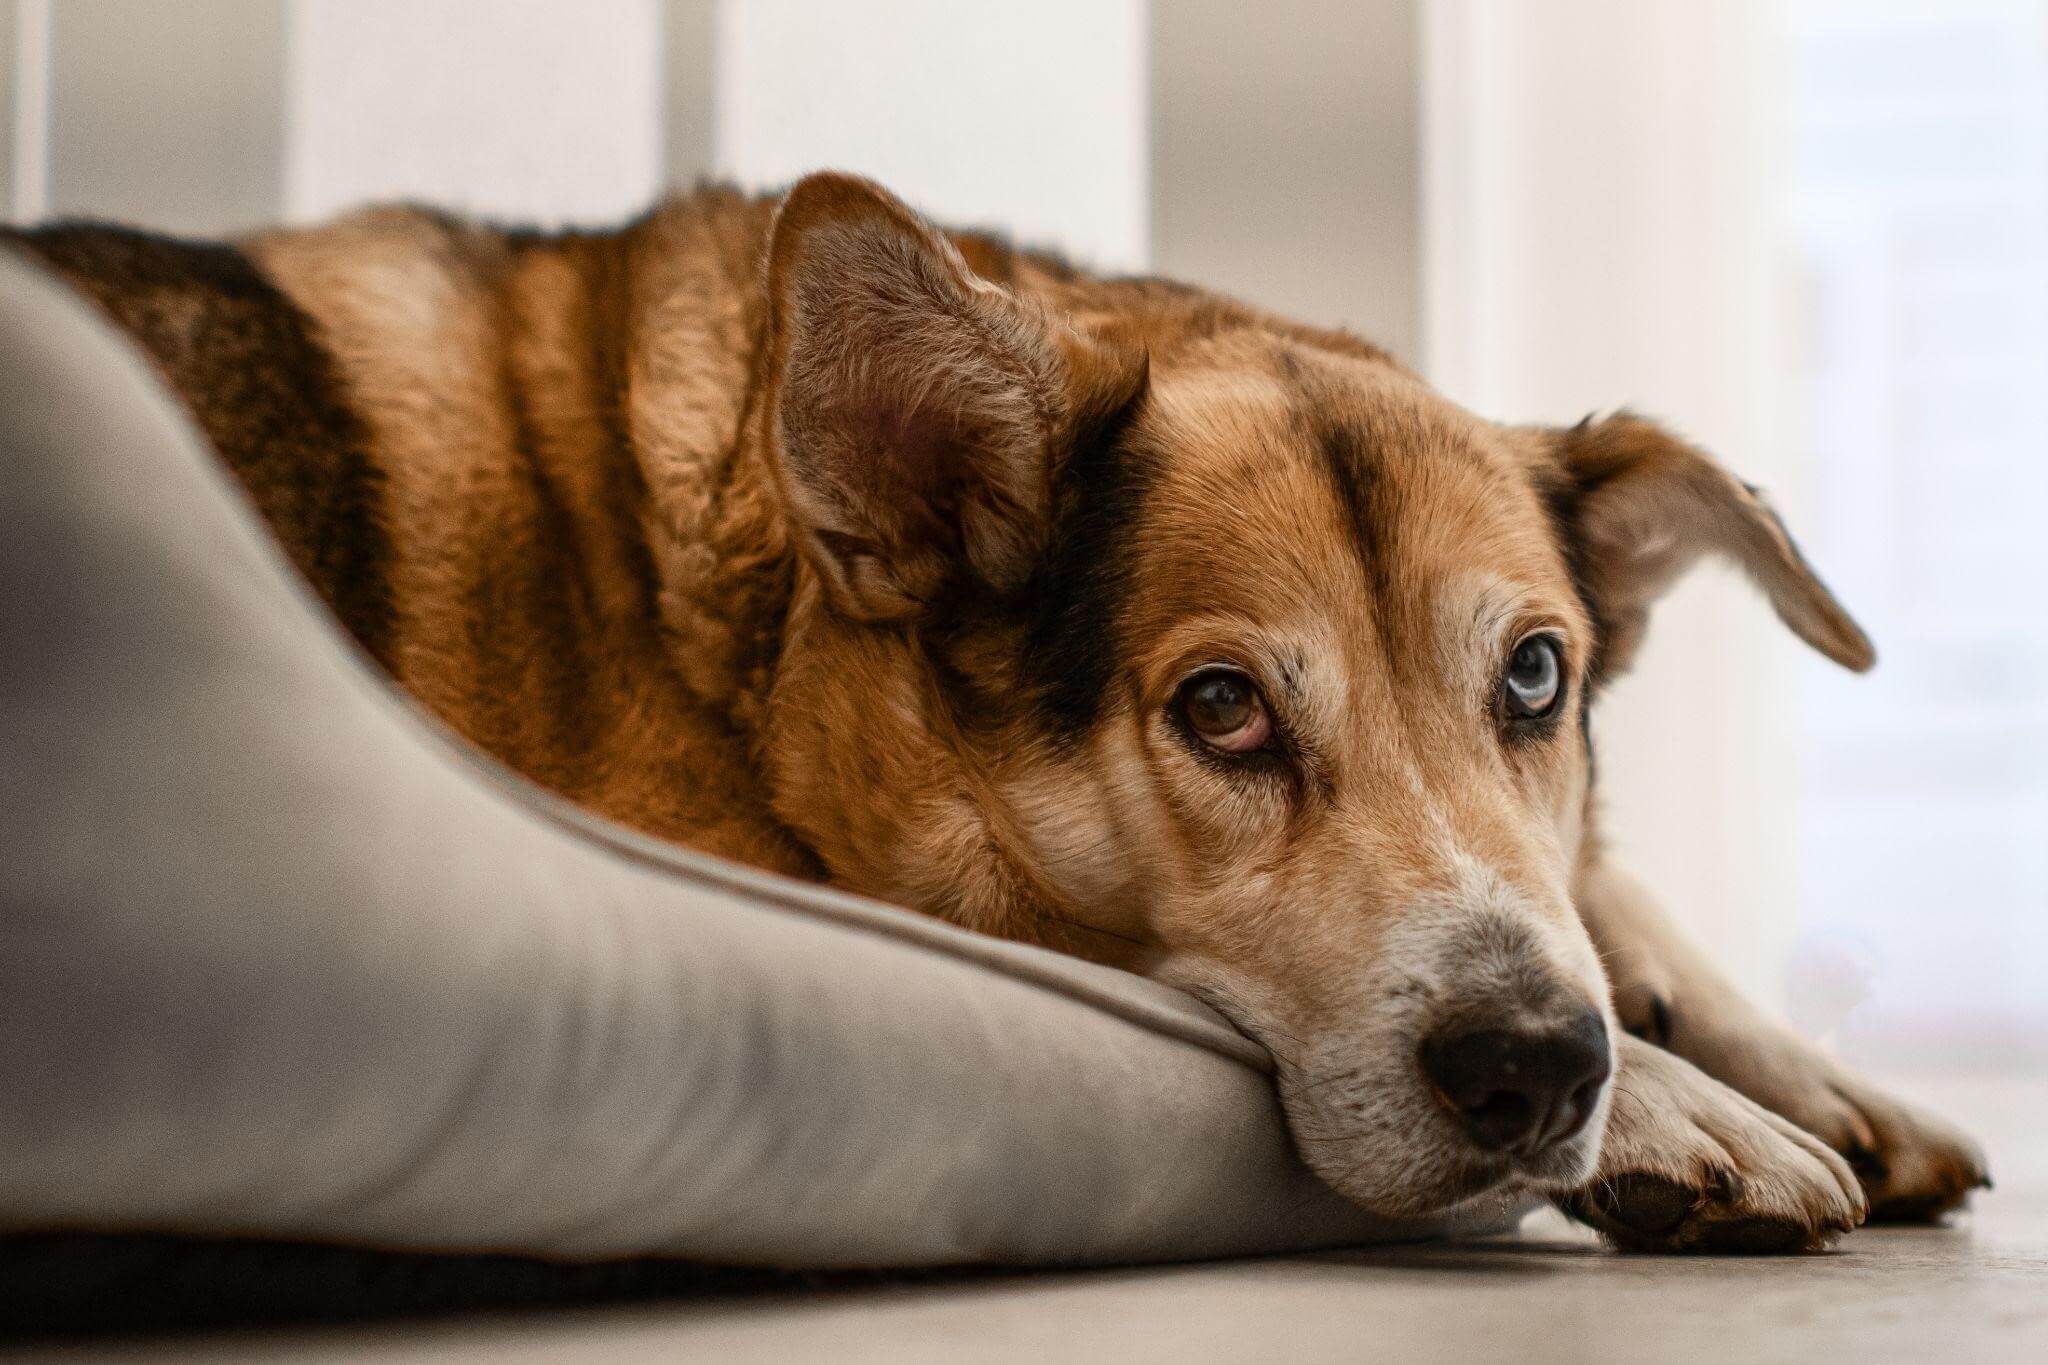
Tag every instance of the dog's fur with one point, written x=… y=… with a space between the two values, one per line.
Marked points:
x=805 y=533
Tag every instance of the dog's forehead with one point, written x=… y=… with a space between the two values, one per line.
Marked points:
x=1298 y=477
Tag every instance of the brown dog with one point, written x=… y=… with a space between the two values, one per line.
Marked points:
x=1106 y=614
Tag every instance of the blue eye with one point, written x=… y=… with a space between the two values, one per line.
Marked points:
x=1535 y=679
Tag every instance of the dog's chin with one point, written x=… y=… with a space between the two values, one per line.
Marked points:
x=1446 y=1172
x=1452 y=1183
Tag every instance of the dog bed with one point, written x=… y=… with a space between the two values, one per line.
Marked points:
x=280 y=959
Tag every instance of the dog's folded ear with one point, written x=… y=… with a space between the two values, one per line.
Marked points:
x=1637 y=506
x=917 y=410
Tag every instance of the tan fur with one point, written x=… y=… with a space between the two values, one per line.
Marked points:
x=808 y=534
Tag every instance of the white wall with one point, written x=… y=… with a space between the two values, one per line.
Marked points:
x=138 y=110
x=1029 y=115
x=24 y=106
x=1284 y=166
x=1600 y=205
x=534 y=110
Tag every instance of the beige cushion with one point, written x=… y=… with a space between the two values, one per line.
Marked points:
x=277 y=957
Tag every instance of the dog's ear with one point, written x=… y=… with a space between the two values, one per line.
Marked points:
x=1637 y=506
x=918 y=411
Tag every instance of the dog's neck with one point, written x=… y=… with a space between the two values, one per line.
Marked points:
x=725 y=571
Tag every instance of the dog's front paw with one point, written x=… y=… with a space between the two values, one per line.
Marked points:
x=1914 y=1166
x=1689 y=1165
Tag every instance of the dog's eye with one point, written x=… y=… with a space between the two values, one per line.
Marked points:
x=1224 y=710
x=1535 y=679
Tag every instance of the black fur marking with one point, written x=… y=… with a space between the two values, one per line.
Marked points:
x=1586 y=739
x=1656 y=1027
x=1560 y=495
x=251 y=368
x=1350 y=469
x=1563 y=494
x=1584 y=465
x=540 y=582
x=1353 y=474
x=1660 y=1021
x=610 y=325
x=1347 y=460
x=1071 y=604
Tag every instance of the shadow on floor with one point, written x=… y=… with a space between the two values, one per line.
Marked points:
x=73 y=1284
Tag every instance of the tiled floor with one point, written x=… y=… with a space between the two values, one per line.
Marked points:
x=1975 y=1291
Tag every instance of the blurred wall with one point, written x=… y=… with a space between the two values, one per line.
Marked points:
x=132 y=109
x=7 y=96
x=689 y=43
x=166 y=112
x=549 y=111
x=1285 y=158
x=1029 y=117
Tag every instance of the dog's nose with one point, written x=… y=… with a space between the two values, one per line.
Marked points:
x=1521 y=1092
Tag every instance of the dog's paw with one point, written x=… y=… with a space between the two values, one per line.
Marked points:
x=1914 y=1167
x=1689 y=1165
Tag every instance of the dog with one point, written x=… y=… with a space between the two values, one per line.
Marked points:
x=1106 y=614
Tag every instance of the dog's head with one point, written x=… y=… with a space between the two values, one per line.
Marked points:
x=1138 y=624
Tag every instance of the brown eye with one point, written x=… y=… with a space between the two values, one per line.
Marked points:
x=1535 y=679
x=1223 y=708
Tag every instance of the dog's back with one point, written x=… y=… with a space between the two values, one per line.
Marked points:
x=508 y=462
